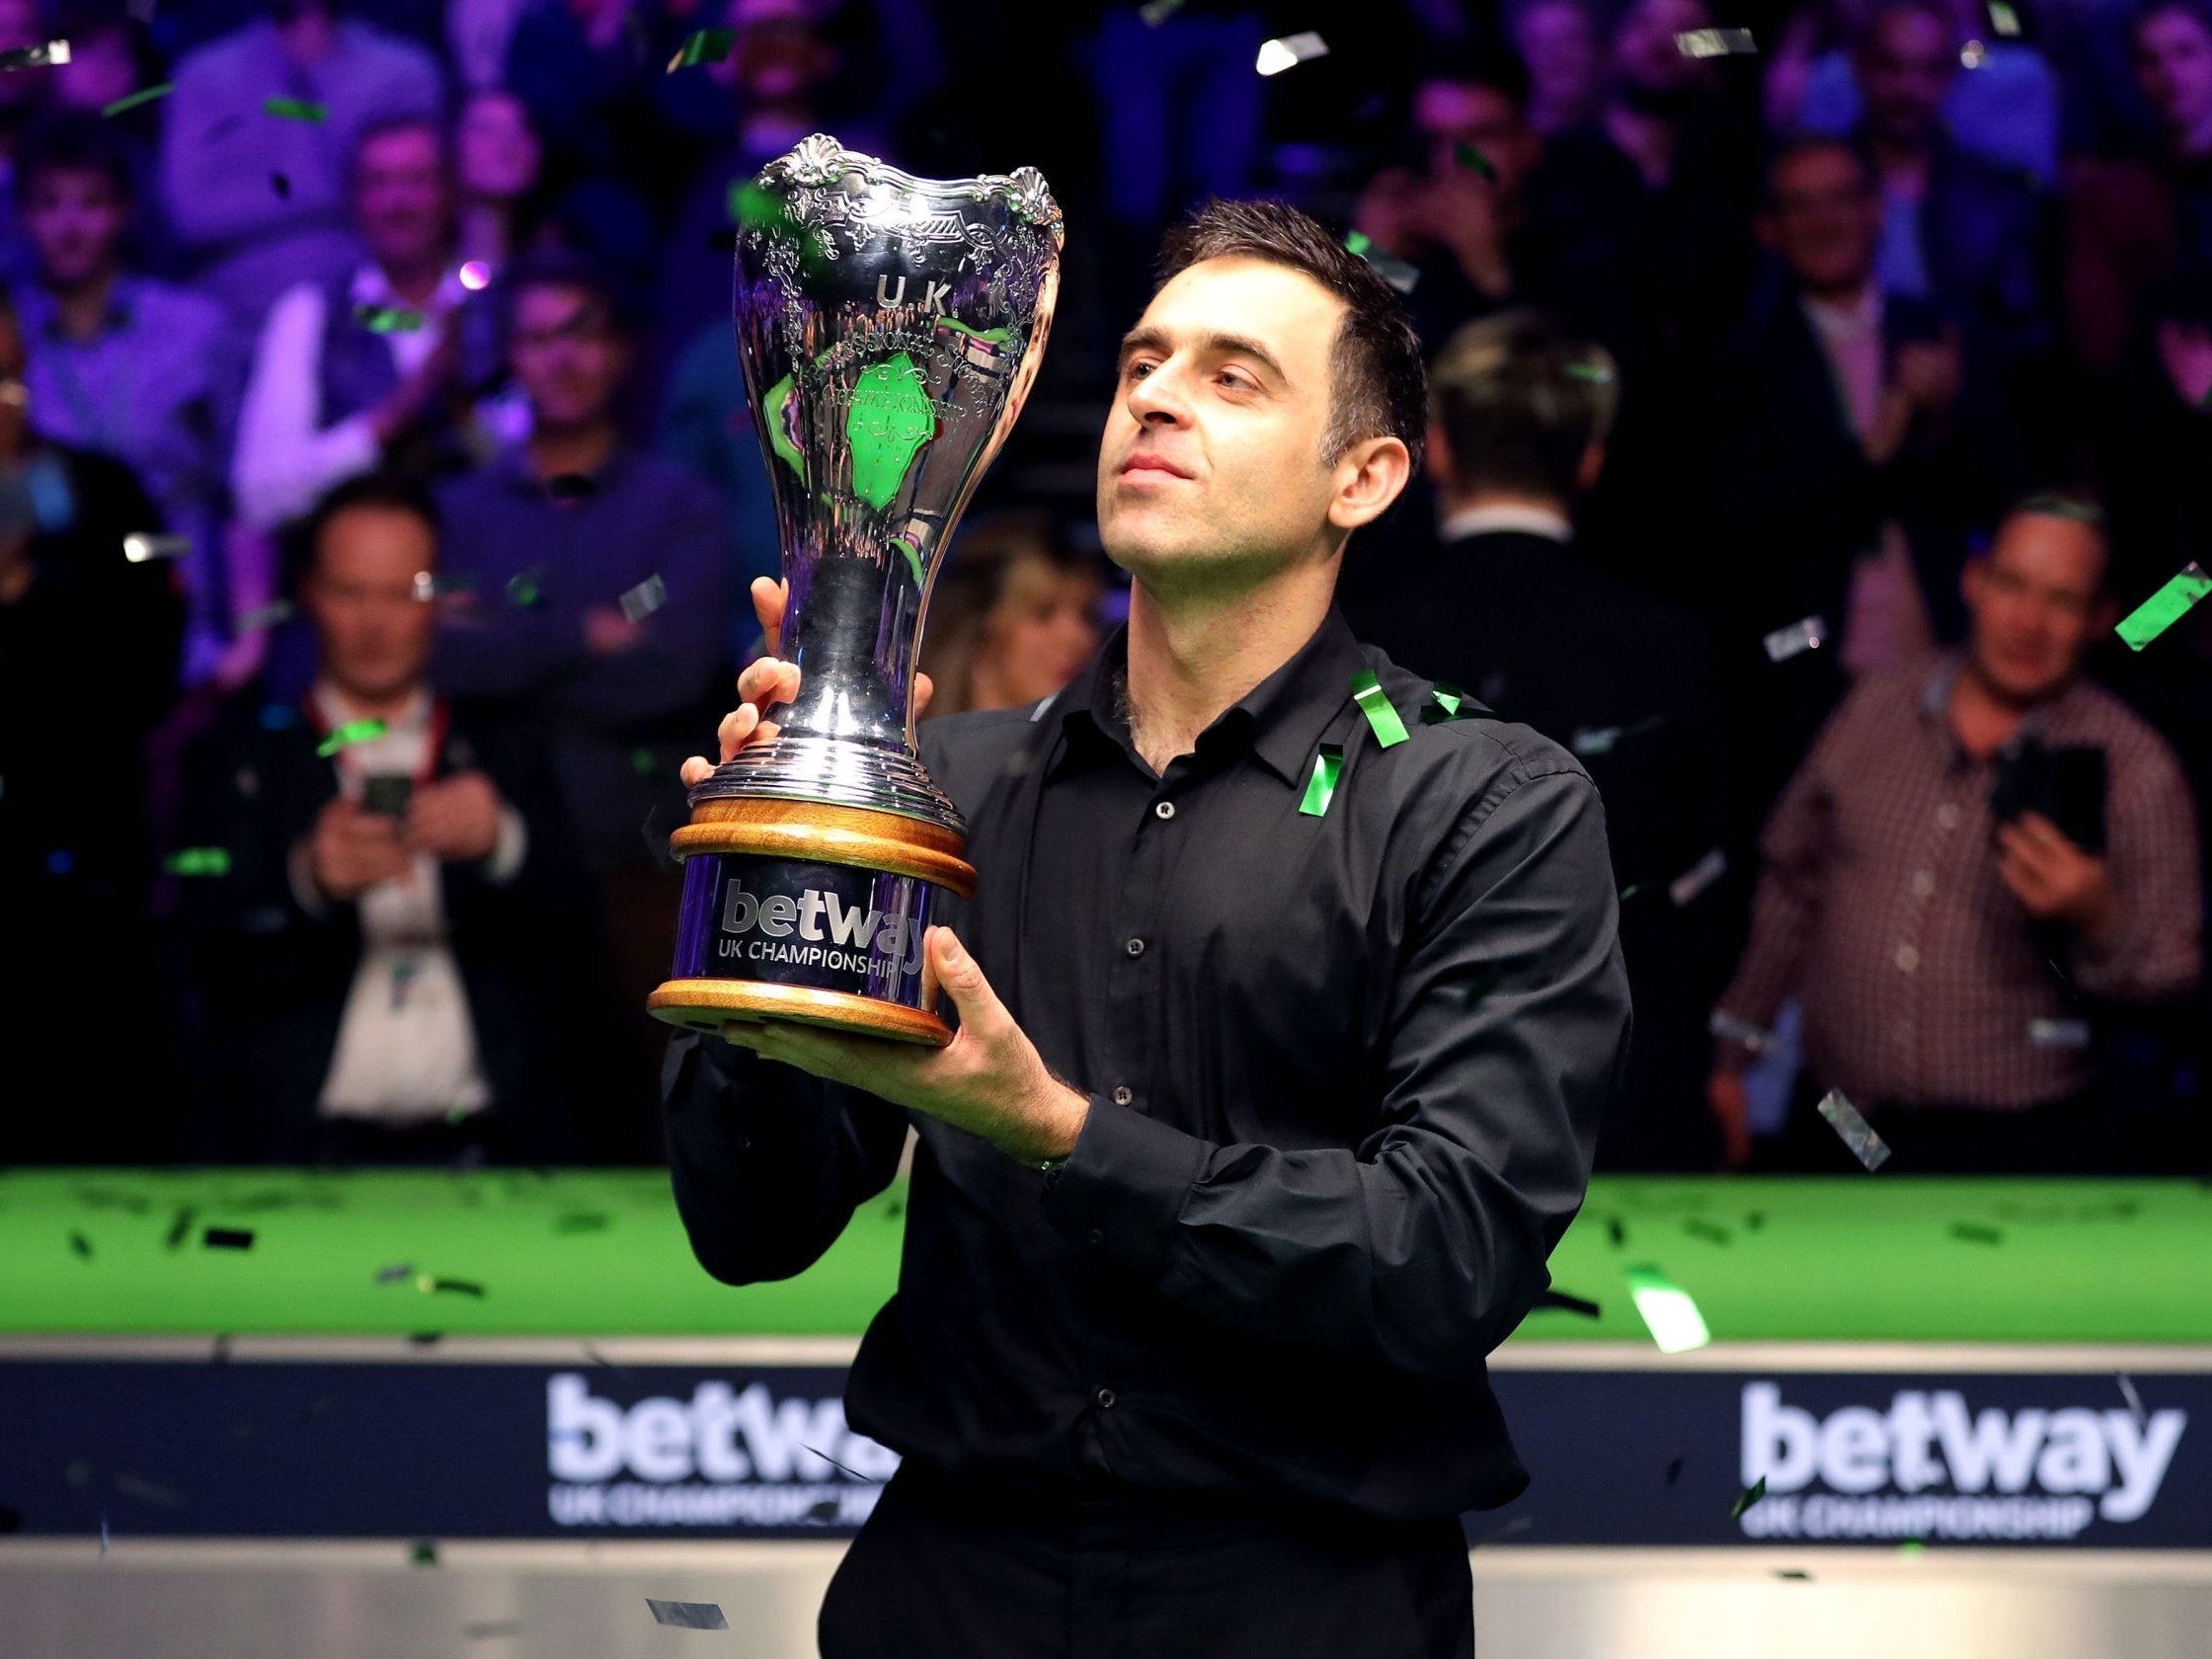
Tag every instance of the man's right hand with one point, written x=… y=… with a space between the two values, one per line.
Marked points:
x=1724 y=1098
x=770 y=682
x=352 y=850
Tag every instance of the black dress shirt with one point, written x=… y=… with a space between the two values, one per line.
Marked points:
x=1344 y=1072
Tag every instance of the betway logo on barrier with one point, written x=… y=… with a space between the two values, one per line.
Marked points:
x=1931 y=1467
x=722 y=1457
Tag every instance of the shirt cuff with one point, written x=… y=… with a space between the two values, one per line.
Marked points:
x=300 y=867
x=509 y=851
x=1122 y=1187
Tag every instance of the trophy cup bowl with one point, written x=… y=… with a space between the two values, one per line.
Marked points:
x=889 y=327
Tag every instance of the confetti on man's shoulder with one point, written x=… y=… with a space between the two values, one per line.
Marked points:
x=143 y=547
x=145 y=95
x=688 y=1616
x=2165 y=608
x=388 y=318
x=706 y=46
x=353 y=731
x=35 y=58
x=296 y=108
x=1289 y=52
x=1785 y=643
x=1714 y=42
x=1320 y=786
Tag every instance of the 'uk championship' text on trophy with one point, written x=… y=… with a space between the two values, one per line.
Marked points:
x=890 y=328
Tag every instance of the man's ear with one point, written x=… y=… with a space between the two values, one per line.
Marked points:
x=1370 y=477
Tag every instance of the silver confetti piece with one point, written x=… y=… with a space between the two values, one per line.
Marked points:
x=2059 y=1033
x=1784 y=642
x=688 y=1616
x=1853 y=1131
x=1698 y=877
x=141 y=547
x=1289 y=50
x=645 y=599
x=1715 y=42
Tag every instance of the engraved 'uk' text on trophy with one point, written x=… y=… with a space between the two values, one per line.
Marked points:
x=889 y=327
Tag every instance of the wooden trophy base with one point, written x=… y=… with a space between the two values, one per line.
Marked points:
x=788 y=906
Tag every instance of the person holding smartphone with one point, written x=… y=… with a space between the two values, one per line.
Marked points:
x=370 y=881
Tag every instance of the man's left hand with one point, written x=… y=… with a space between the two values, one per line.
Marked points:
x=455 y=819
x=989 y=1080
x=2055 y=880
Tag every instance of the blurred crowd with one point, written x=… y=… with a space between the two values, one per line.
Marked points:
x=1815 y=386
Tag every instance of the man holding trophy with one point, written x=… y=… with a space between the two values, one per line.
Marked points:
x=1286 y=985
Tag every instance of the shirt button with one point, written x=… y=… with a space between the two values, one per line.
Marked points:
x=1907 y=958
x=1136 y=947
x=1946 y=817
x=1164 y=809
x=1106 y=1397
x=1923 y=883
x=1124 y=1095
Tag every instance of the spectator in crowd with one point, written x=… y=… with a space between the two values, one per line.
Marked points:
x=1958 y=229
x=2139 y=237
x=601 y=604
x=375 y=930
x=23 y=96
x=89 y=645
x=1973 y=855
x=259 y=197
x=122 y=363
x=1012 y=616
x=109 y=60
x=496 y=163
x=2003 y=108
x=1509 y=607
x=372 y=368
x=1563 y=44
x=1860 y=443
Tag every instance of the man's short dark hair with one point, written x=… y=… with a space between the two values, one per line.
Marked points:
x=1378 y=386
x=75 y=140
x=2196 y=11
x=390 y=492
x=562 y=268
x=1487 y=64
x=1519 y=401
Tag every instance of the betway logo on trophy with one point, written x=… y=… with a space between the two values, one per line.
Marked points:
x=1932 y=1467
x=834 y=933
x=889 y=327
x=721 y=1457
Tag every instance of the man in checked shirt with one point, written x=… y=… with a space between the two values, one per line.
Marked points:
x=1947 y=961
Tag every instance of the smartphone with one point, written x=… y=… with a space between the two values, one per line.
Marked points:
x=387 y=794
x=2065 y=784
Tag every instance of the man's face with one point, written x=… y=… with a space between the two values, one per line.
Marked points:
x=566 y=353
x=2034 y=604
x=2173 y=64
x=75 y=219
x=1904 y=70
x=1211 y=454
x=400 y=195
x=374 y=633
x=496 y=153
x=1561 y=50
x=1825 y=221
x=1645 y=57
x=1450 y=114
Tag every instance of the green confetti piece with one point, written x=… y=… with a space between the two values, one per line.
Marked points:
x=1468 y=156
x=2165 y=608
x=643 y=762
x=1668 y=1312
x=81 y=1244
x=388 y=318
x=1446 y=702
x=706 y=46
x=137 y=98
x=523 y=588
x=1746 y=1498
x=1368 y=692
x=424 y=1554
x=1359 y=244
x=353 y=731
x=198 y=861
x=1596 y=373
x=1973 y=1232
x=297 y=109
x=1321 y=786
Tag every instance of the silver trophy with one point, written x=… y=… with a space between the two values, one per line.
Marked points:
x=890 y=328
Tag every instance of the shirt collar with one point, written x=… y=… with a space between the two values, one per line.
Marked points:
x=1527 y=518
x=370 y=286
x=1861 y=316
x=334 y=709
x=1936 y=699
x=1282 y=717
x=515 y=466
x=40 y=314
